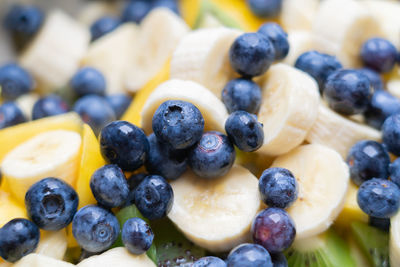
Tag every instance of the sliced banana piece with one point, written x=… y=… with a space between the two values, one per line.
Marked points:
x=342 y=26
x=52 y=244
x=91 y=11
x=54 y=54
x=300 y=42
x=212 y=109
x=323 y=179
x=203 y=56
x=216 y=214
x=298 y=15
x=289 y=108
x=394 y=242
x=337 y=132
x=52 y=153
x=393 y=86
x=38 y=260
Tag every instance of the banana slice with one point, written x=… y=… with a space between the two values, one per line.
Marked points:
x=393 y=86
x=91 y=11
x=323 y=179
x=394 y=242
x=300 y=42
x=212 y=109
x=203 y=56
x=52 y=244
x=38 y=260
x=338 y=132
x=54 y=55
x=342 y=27
x=289 y=108
x=52 y=153
x=298 y=15
x=216 y=214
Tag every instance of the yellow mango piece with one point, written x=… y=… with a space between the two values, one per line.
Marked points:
x=71 y=241
x=10 y=208
x=190 y=11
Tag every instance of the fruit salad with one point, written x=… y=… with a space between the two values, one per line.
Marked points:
x=219 y=133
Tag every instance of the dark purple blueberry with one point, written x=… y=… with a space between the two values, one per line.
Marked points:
x=102 y=26
x=119 y=103
x=391 y=133
x=380 y=223
x=10 y=115
x=249 y=255
x=279 y=260
x=379 y=54
x=209 y=261
x=242 y=94
x=136 y=10
x=382 y=105
x=24 y=19
x=14 y=81
x=394 y=172
x=88 y=81
x=135 y=179
x=49 y=105
x=374 y=78
x=278 y=37
x=137 y=236
x=265 y=8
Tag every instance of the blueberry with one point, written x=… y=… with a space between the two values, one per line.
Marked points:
x=14 y=81
x=49 y=105
x=135 y=11
x=374 y=78
x=10 y=114
x=209 y=261
x=124 y=144
x=380 y=223
x=318 y=65
x=109 y=186
x=154 y=197
x=278 y=187
x=133 y=181
x=279 y=260
x=163 y=161
x=378 y=54
x=265 y=8
x=245 y=131
x=178 y=123
x=18 y=238
x=88 y=81
x=382 y=105
x=368 y=159
x=24 y=19
x=394 y=172
x=249 y=255
x=119 y=103
x=95 y=111
x=102 y=26
x=242 y=94
x=278 y=38
x=213 y=156
x=348 y=92
x=94 y=228
x=391 y=133
x=251 y=54
x=51 y=204
x=170 y=4
x=137 y=236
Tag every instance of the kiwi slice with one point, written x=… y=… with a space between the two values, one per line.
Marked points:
x=325 y=250
x=209 y=11
x=373 y=242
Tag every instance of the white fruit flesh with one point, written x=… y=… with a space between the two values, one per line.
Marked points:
x=394 y=243
x=52 y=244
x=37 y=260
x=300 y=42
x=298 y=15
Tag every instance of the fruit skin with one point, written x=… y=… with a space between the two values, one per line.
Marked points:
x=109 y=186
x=102 y=26
x=10 y=115
x=135 y=11
x=249 y=255
x=265 y=9
x=51 y=203
x=245 y=131
x=374 y=78
x=242 y=94
x=379 y=198
x=137 y=236
x=382 y=105
x=124 y=144
x=278 y=38
x=24 y=19
x=88 y=81
x=251 y=54
x=378 y=54
x=279 y=260
x=95 y=228
x=213 y=156
x=368 y=159
x=119 y=103
x=394 y=172
x=154 y=197
x=278 y=188
x=18 y=238
x=14 y=81
x=177 y=123
x=209 y=261
x=391 y=133
x=49 y=105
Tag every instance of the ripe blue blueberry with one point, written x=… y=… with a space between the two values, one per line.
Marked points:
x=170 y=4
x=379 y=54
x=133 y=181
x=278 y=187
x=18 y=238
x=273 y=229
x=109 y=186
x=391 y=133
x=135 y=11
x=374 y=78
x=51 y=204
x=24 y=19
x=245 y=131
x=49 y=105
x=154 y=197
x=279 y=260
x=379 y=198
x=368 y=159
x=265 y=8
x=119 y=103
x=348 y=92
x=137 y=236
x=278 y=38
x=87 y=81
x=318 y=65
x=242 y=94
x=213 y=156
x=124 y=144
x=251 y=54
x=380 y=223
x=394 y=172
x=95 y=111
x=102 y=26
x=249 y=255
x=14 y=81
x=95 y=228
x=209 y=261
x=178 y=123
x=164 y=161
x=10 y=114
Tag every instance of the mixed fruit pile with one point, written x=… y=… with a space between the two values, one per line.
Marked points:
x=202 y=133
